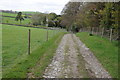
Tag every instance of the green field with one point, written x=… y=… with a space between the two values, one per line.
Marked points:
x=8 y=14
x=0 y=51
x=15 y=14
x=15 y=48
x=12 y=21
x=104 y=50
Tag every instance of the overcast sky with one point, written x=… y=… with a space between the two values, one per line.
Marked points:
x=33 y=5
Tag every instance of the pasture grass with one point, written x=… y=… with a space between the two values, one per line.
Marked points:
x=12 y=21
x=9 y=14
x=0 y=51
x=15 y=46
x=15 y=14
x=104 y=50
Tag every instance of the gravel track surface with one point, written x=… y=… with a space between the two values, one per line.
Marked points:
x=74 y=60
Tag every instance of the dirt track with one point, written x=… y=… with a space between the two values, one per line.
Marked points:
x=74 y=60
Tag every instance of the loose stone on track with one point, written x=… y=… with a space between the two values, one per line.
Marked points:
x=66 y=62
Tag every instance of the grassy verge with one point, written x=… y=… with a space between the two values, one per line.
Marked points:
x=46 y=51
x=104 y=50
x=15 y=44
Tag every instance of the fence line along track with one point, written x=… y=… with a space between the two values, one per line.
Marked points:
x=50 y=28
x=111 y=34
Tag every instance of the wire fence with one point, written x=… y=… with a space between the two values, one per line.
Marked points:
x=15 y=41
x=111 y=34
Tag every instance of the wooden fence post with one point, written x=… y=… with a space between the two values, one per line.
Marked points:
x=102 y=32
x=89 y=29
x=29 y=42
x=92 y=30
x=47 y=34
x=53 y=32
x=97 y=30
x=111 y=34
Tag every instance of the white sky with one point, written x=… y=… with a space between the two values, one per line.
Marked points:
x=33 y=5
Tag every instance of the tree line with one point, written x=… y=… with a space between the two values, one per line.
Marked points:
x=76 y=15
x=38 y=18
x=52 y=19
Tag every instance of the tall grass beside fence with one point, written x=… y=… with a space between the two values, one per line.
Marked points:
x=15 y=43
